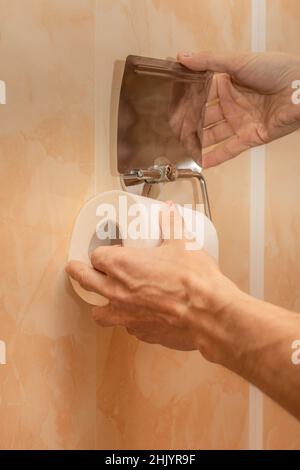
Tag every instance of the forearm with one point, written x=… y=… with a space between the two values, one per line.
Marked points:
x=254 y=339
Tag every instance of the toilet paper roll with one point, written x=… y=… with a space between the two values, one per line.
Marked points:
x=118 y=217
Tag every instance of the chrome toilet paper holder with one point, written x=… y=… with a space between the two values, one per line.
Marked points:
x=160 y=121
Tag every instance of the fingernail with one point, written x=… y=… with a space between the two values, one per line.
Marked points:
x=186 y=55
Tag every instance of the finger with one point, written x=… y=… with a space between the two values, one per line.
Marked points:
x=184 y=126
x=224 y=152
x=108 y=259
x=217 y=133
x=88 y=278
x=122 y=265
x=108 y=316
x=145 y=336
x=213 y=115
x=117 y=314
x=93 y=280
x=209 y=61
x=127 y=267
x=213 y=91
x=131 y=331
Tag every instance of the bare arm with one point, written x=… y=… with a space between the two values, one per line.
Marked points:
x=181 y=300
x=262 y=344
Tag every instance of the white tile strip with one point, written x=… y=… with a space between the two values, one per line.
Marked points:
x=257 y=225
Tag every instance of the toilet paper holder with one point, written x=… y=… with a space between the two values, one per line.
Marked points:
x=160 y=121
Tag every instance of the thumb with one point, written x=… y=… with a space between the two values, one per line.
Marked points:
x=223 y=63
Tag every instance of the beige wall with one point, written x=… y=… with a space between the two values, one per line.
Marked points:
x=47 y=388
x=68 y=384
x=282 y=269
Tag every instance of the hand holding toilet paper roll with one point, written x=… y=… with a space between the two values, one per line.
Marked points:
x=120 y=218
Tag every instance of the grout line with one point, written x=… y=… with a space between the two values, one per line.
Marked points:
x=258 y=25
x=96 y=9
x=257 y=225
x=96 y=97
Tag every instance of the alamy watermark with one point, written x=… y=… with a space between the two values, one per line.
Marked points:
x=2 y=353
x=137 y=221
x=295 y=358
x=296 y=93
x=2 y=92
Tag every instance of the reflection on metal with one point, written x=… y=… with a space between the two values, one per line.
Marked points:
x=161 y=113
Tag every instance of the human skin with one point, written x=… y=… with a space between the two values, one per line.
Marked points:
x=180 y=299
x=249 y=103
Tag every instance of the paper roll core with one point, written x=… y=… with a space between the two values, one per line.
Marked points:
x=112 y=229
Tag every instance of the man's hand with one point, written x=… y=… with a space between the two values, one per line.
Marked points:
x=163 y=295
x=181 y=300
x=250 y=101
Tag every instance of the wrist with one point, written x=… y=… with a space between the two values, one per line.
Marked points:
x=242 y=335
x=241 y=322
x=225 y=328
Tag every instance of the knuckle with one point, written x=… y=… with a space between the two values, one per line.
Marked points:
x=120 y=296
x=95 y=256
x=104 y=259
x=131 y=285
x=107 y=258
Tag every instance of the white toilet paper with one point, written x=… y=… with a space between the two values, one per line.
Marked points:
x=118 y=217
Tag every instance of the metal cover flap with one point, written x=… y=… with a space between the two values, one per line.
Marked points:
x=161 y=112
